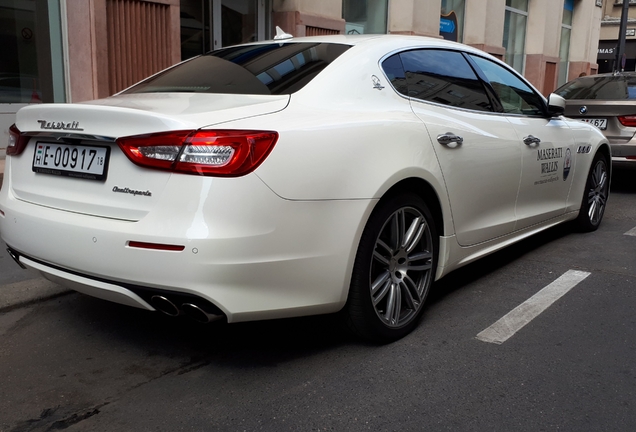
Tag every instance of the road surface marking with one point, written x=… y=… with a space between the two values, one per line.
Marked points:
x=517 y=318
x=631 y=232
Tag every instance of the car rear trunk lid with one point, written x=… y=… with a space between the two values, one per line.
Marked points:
x=604 y=114
x=63 y=137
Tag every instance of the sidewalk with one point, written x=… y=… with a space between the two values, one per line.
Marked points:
x=24 y=293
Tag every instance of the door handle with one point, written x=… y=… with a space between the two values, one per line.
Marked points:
x=530 y=140
x=449 y=137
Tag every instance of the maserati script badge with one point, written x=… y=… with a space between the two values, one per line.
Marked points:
x=57 y=125
x=131 y=191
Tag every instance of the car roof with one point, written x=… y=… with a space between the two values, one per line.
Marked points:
x=362 y=39
x=371 y=41
x=627 y=74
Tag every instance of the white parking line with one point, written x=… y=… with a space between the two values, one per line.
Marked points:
x=517 y=318
x=631 y=232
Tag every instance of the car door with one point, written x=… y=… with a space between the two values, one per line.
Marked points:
x=477 y=149
x=547 y=150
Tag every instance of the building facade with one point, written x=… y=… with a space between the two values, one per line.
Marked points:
x=77 y=50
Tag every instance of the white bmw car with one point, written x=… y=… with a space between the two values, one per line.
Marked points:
x=295 y=177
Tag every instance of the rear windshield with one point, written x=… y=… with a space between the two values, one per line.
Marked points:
x=618 y=87
x=271 y=69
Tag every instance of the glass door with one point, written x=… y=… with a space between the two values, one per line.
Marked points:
x=31 y=58
x=31 y=65
x=212 y=24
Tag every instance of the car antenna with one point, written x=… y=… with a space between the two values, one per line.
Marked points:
x=280 y=34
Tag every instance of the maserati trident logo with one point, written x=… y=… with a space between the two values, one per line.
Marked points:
x=583 y=109
x=57 y=125
x=376 y=82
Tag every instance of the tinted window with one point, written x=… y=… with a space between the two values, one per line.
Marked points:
x=603 y=88
x=444 y=77
x=394 y=70
x=270 y=69
x=515 y=95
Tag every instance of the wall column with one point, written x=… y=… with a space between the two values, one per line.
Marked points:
x=543 y=35
x=415 y=17
x=484 y=26
x=586 y=28
x=113 y=44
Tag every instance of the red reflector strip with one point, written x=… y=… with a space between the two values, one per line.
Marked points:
x=626 y=157
x=155 y=246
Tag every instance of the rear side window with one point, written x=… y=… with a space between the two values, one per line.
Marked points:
x=603 y=88
x=270 y=69
x=394 y=70
x=443 y=77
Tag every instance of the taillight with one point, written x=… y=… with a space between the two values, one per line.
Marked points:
x=17 y=141
x=228 y=153
x=629 y=121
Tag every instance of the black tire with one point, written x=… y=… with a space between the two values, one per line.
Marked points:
x=595 y=195
x=393 y=271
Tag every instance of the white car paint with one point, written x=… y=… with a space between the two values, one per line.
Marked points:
x=281 y=241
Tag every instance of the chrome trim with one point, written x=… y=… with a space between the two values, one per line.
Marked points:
x=449 y=137
x=59 y=136
x=531 y=140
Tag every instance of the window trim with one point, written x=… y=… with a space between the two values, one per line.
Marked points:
x=446 y=49
x=513 y=71
x=490 y=92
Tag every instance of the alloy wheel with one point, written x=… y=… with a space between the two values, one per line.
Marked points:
x=401 y=267
x=597 y=192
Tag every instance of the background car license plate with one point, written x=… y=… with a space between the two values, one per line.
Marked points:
x=67 y=160
x=599 y=123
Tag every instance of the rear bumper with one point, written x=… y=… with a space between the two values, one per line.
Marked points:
x=247 y=251
x=624 y=151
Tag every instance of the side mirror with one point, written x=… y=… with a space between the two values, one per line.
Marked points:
x=556 y=105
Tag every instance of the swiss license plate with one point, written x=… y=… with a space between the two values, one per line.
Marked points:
x=87 y=162
x=599 y=123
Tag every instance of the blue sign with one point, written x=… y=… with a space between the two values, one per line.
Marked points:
x=446 y=25
x=448 y=28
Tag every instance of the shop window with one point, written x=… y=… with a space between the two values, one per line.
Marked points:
x=451 y=25
x=238 y=22
x=31 y=69
x=564 y=49
x=367 y=16
x=514 y=40
x=211 y=24
x=195 y=28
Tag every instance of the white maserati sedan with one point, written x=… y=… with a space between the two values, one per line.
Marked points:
x=297 y=176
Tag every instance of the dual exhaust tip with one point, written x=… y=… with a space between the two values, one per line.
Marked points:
x=192 y=310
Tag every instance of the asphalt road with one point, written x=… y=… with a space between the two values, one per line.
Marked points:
x=81 y=364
